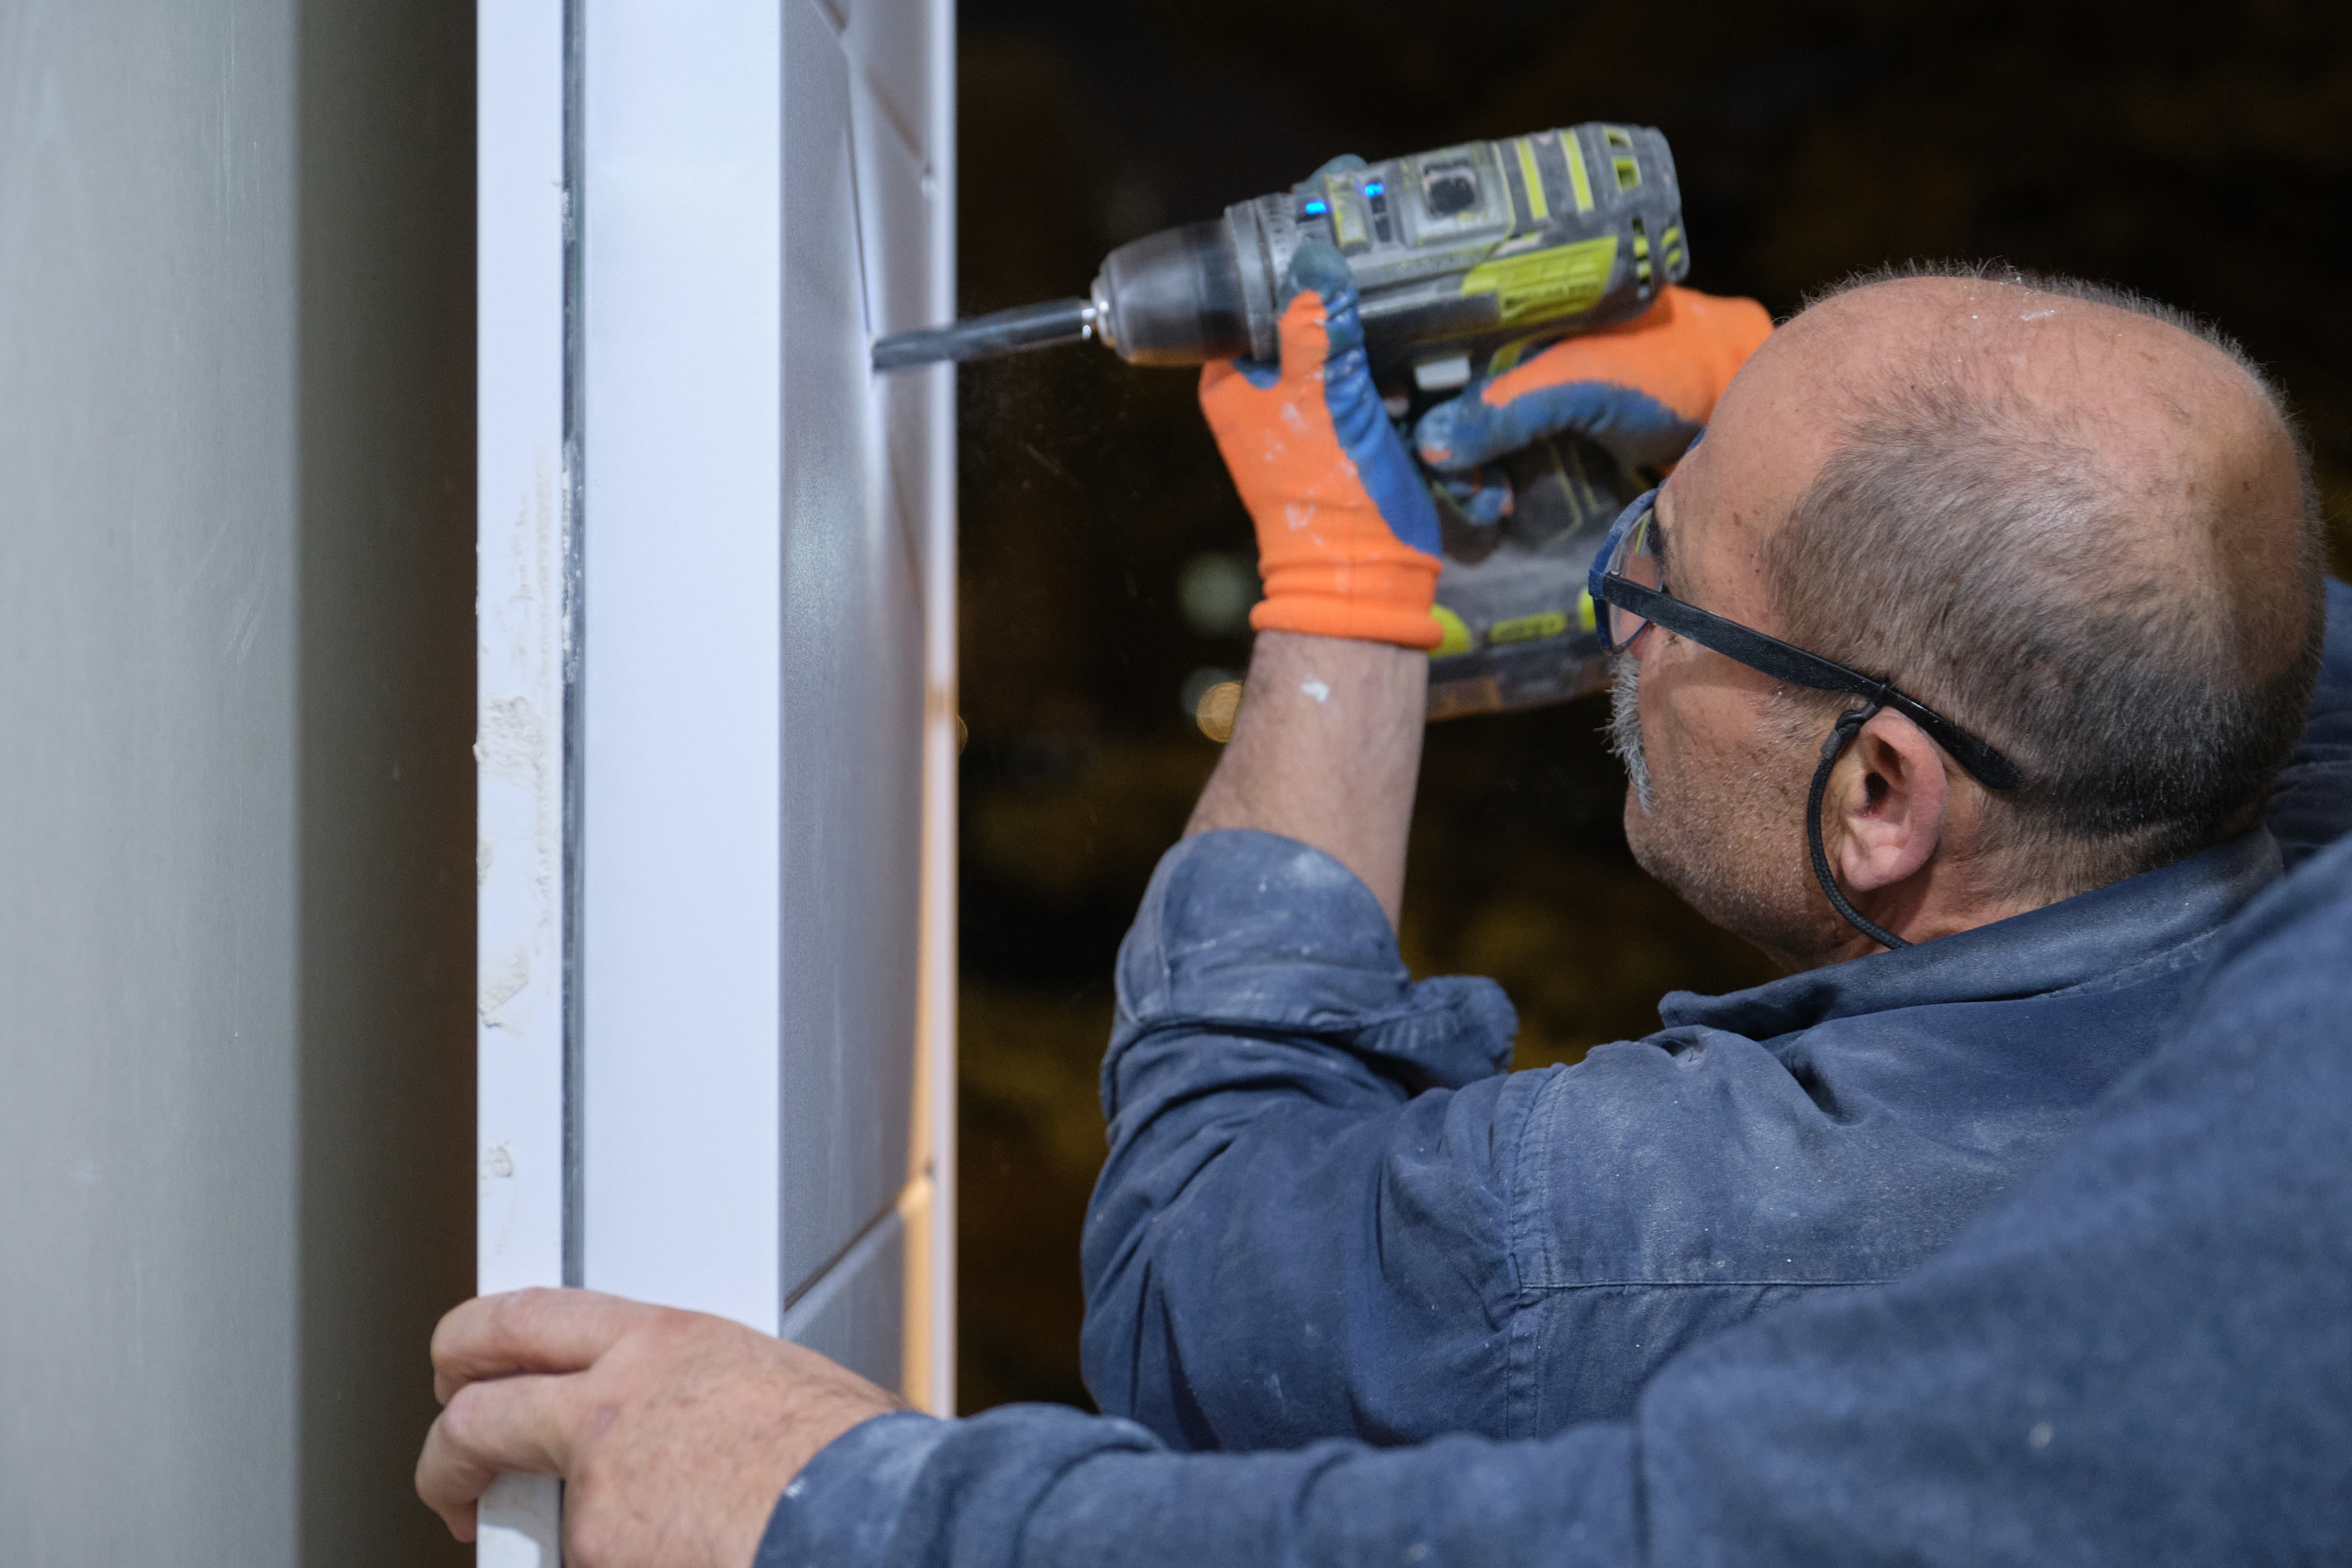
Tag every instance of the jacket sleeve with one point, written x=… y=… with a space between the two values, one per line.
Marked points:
x=2311 y=805
x=1046 y=1486
x=2141 y=1356
x=1300 y=1229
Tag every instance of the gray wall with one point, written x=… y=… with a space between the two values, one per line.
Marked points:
x=235 y=788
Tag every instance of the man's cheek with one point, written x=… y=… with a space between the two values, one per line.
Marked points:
x=1661 y=737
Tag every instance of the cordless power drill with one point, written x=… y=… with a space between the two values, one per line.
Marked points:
x=1466 y=260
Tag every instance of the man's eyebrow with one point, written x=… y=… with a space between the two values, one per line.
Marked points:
x=1658 y=539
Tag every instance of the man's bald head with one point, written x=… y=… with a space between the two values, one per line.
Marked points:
x=2077 y=522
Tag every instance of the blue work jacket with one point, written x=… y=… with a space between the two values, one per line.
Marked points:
x=2140 y=1355
x=1327 y=1211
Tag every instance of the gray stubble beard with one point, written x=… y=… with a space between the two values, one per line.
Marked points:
x=1625 y=722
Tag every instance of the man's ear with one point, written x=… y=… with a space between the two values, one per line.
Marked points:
x=1887 y=805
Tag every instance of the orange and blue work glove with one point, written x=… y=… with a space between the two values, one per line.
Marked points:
x=1347 y=533
x=1642 y=390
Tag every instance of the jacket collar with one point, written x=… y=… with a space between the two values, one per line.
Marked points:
x=2093 y=936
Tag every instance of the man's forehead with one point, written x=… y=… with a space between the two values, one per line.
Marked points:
x=1769 y=435
x=1715 y=515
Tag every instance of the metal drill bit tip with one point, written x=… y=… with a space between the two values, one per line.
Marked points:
x=989 y=337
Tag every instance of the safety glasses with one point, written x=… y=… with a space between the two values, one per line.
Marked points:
x=1627 y=587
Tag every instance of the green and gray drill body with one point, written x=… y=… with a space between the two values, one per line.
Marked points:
x=1466 y=261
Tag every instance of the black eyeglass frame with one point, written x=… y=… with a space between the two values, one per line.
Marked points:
x=1770 y=656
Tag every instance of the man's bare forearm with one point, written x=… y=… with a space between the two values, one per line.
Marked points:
x=1326 y=750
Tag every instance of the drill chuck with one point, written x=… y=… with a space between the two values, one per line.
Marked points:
x=1463 y=258
x=1175 y=297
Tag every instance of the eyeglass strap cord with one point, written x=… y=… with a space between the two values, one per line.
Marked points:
x=1849 y=724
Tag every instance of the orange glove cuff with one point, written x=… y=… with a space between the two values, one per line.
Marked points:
x=1375 y=600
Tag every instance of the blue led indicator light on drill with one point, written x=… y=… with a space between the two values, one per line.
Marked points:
x=1317 y=209
x=1376 y=188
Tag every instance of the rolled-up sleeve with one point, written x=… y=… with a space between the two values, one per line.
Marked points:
x=1302 y=1225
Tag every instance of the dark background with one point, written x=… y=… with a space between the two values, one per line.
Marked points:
x=2204 y=156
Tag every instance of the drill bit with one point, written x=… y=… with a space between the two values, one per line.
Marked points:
x=989 y=337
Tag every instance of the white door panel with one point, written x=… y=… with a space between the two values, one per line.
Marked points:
x=894 y=51
x=856 y=1312
x=852 y=615
x=897 y=220
x=681 y=269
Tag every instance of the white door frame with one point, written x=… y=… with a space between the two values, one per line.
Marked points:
x=717 y=984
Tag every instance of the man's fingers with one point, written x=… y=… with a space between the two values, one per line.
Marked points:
x=508 y=1424
x=529 y=1331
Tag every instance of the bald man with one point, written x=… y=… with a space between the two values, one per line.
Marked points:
x=2014 y=589
x=2017 y=582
